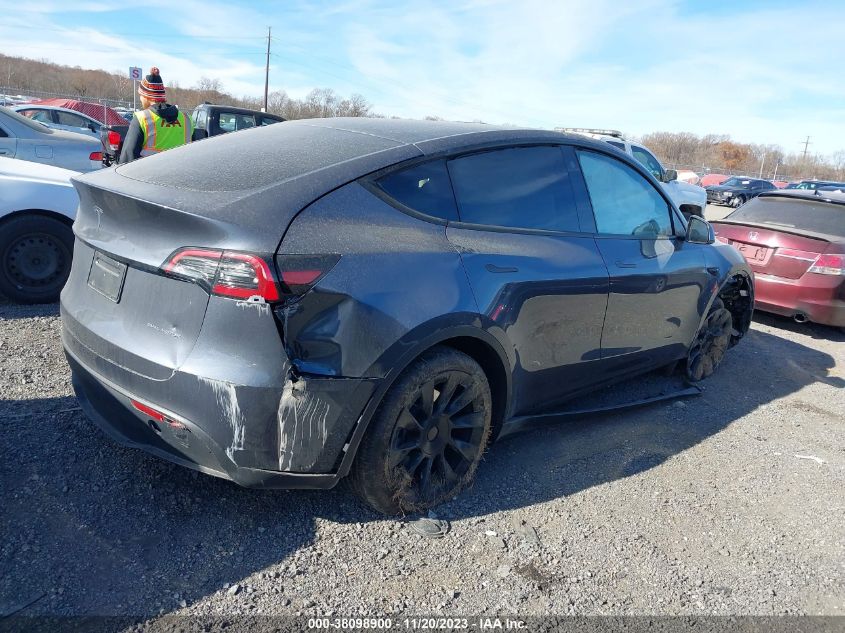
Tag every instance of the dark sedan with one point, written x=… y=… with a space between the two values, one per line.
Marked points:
x=736 y=191
x=794 y=242
x=380 y=299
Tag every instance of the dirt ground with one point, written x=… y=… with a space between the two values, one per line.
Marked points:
x=727 y=503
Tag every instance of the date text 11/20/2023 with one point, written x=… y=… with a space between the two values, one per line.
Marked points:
x=416 y=624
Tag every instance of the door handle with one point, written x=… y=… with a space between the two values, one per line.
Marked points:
x=620 y=264
x=501 y=269
x=3 y=152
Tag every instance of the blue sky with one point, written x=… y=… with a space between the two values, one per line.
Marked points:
x=765 y=72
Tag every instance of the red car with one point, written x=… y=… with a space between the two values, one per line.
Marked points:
x=794 y=242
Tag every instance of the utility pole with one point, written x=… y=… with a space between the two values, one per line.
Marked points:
x=267 y=71
x=806 y=143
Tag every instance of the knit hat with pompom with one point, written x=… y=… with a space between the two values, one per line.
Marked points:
x=152 y=87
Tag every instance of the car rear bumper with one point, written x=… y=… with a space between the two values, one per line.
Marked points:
x=180 y=441
x=818 y=298
x=237 y=410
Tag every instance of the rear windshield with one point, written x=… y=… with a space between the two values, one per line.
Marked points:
x=255 y=158
x=792 y=213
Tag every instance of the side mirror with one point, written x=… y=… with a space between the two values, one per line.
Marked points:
x=670 y=175
x=699 y=231
x=92 y=127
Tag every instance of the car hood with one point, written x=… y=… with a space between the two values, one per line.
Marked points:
x=690 y=189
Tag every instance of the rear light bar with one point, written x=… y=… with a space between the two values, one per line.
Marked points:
x=224 y=273
x=833 y=264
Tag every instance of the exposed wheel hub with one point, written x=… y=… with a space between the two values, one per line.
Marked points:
x=710 y=344
x=34 y=260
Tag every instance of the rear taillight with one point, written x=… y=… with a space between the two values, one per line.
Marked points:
x=828 y=265
x=224 y=273
x=114 y=140
x=299 y=273
x=98 y=156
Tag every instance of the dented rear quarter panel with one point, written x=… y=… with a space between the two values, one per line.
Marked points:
x=360 y=319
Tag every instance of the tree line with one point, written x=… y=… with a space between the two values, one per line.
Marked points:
x=718 y=153
x=707 y=153
x=41 y=77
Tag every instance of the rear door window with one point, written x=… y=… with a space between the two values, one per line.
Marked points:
x=519 y=187
x=624 y=203
x=424 y=188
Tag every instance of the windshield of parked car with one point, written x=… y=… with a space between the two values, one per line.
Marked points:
x=19 y=118
x=793 y=213
x=740 y=183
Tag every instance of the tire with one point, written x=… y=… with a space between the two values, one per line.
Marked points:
x=428 y=436
x=35 y=258
x=710 y=343
x=737 y=201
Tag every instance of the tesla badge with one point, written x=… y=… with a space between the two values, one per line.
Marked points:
x=752 y=235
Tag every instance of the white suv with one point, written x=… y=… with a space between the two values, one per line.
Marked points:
x=690 y=199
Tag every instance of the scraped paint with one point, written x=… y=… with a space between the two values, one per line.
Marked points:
x=302 y=426
x=227 y=400
x=256 y=302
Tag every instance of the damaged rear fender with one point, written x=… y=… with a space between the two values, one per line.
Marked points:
x=470 y=339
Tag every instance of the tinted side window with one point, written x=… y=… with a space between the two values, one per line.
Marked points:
x=424 y=188
x=521 y=187
x=624 y=203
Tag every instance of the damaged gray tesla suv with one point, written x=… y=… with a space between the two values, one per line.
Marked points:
x=379 y=299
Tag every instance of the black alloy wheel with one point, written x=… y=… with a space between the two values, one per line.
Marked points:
x=35 y=258
x=711 y=342
x=428 y=437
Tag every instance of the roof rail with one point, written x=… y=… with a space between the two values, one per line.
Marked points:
x=589 y=130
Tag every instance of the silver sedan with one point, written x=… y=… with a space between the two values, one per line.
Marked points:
x=29 y=140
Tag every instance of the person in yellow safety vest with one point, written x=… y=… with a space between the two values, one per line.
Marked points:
x=158 y=127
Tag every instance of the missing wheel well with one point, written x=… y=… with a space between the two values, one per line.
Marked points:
x=738 y=297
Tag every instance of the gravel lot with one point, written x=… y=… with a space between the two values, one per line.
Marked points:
x=728 y=503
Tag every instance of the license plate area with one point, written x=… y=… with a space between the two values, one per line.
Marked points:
x=107 y=276
x=753 y=253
